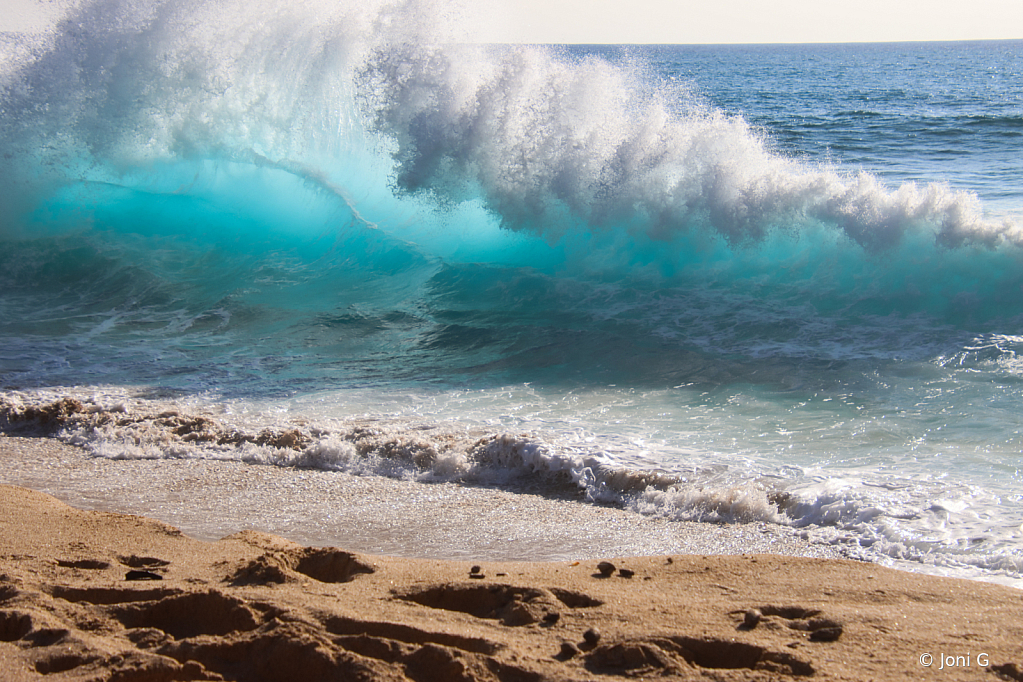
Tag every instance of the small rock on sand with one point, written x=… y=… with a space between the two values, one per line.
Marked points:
x=826 y=634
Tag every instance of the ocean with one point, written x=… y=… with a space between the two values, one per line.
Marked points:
x=728 y=284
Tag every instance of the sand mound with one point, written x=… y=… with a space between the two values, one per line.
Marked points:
x=98 y=596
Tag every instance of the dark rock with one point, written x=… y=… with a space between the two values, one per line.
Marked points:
x=475 y=569
x=568 y=650
x=606 y=568
x=552 y=617
x=1008 y=671
x=826 y=634
x=591 y=636
x=626 y=572
x=142 y=575
x=752 y=618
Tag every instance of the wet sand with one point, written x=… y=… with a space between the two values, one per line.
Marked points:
x=210 y=499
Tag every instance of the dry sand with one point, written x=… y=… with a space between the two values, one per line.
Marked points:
x=252 y=606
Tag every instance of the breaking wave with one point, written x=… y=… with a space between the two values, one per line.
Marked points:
x=371 y=100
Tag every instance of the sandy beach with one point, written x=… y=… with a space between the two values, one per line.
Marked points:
x=369 y=341
x=97 y=595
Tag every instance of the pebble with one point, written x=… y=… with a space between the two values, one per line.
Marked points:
x=826 y=634
x=552 y=617
x=752 y=618
x=591 y=636
x=475 y=569
x=606 y=568
x=626 y=572
x=568 y=650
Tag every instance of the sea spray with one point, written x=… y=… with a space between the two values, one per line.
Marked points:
x=546 y=143
x=549 y=142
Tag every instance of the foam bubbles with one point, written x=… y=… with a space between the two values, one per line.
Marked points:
x=550 y=142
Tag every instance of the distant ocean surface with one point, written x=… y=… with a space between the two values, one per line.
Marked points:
x=777 y=283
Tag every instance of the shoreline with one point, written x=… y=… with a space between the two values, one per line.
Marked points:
x=88 y=595
x=430 y=489
x=209 y=499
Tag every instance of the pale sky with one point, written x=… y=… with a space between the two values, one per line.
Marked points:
x=707 y=21
x=762 y=21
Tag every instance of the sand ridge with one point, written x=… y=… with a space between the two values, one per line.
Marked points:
x=102 y=596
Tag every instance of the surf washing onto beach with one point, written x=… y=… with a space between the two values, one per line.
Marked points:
x=776 y=285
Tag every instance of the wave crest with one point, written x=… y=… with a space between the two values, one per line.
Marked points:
x=549 y=144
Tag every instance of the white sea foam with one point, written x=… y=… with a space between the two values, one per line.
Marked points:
x=957 y=530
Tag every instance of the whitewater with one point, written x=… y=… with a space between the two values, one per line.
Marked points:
x=724 y=284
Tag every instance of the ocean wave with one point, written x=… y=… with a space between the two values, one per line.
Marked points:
x=362 y=98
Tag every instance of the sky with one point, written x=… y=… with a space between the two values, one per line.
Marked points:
x=707 y=21
x=762 y=21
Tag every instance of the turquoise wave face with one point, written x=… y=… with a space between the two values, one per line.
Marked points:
x=203 y=291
